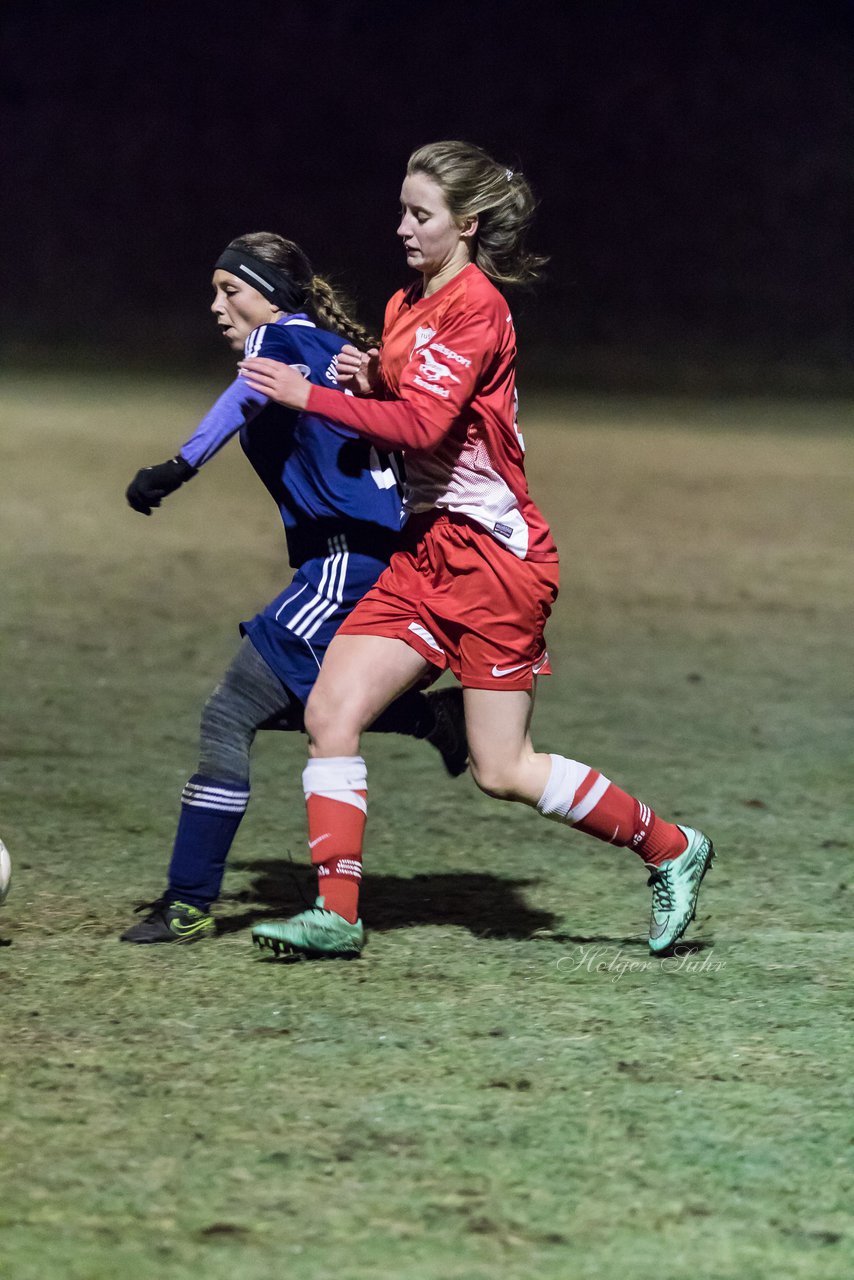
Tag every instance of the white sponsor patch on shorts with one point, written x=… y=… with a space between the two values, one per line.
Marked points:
x=425 y=635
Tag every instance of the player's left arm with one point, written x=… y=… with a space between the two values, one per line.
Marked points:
x=237 y=405
x=436 y=387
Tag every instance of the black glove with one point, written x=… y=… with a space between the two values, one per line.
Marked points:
x=150 y=485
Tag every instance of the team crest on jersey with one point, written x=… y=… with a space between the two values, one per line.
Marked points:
x=422 y=337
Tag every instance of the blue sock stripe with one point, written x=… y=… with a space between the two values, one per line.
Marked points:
x=221 y=799
x=215 y=794
x=219 y=788
x=219 y=807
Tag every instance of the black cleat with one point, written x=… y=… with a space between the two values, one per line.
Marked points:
x=171 y=922
x=448 y=735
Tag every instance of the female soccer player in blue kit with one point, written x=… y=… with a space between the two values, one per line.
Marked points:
x=340 y=504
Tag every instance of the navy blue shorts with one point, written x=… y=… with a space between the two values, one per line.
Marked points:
x=293 y=632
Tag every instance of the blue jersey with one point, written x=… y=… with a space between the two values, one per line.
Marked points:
x=325 y=479
x=339 y=500
x=293 y=633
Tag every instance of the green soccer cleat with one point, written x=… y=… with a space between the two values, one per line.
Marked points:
x=315 y=933
x=171 y=922
x=675 y=888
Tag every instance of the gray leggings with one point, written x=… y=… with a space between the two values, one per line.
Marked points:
x=249 y=696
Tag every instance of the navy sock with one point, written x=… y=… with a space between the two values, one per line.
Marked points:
x=210 y=815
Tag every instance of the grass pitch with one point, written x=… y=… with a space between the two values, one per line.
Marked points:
x=506 y=1084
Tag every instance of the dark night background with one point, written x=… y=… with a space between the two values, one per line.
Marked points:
x=695 y=164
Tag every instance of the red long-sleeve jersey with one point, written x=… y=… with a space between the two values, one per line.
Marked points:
x=448 y=368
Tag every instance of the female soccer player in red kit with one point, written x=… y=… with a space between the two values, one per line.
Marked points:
x=477 y=575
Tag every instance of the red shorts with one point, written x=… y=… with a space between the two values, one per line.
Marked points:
x=463 y=602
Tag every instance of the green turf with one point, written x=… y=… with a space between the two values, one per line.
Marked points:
x=505 y=1084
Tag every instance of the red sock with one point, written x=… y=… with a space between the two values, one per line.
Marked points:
x=335 y=832
x=585 y=799
x=336 y=803
x=338 y=881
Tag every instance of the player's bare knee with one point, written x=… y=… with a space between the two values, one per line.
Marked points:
x=319 y=719
x=330 y=725
x=497 y=778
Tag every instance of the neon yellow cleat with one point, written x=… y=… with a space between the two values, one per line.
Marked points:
x=171 y=922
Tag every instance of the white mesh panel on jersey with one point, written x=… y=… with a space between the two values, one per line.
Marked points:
x=462 y=478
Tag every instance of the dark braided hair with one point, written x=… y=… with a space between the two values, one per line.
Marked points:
x=326 y=307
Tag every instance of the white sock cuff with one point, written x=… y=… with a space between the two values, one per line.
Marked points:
x=338 y=777
x=564 y=780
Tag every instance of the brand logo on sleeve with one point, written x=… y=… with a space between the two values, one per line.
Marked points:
x=432 y=372
x=450 y=355
x=432 y=369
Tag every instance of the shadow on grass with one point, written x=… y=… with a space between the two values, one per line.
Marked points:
x=484 y=904
x=488 y=906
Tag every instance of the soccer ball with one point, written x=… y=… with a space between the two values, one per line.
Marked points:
x=5 y=872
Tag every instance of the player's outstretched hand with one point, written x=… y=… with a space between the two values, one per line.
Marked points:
x=358 y=371
x=152 y=484
x=276 y=381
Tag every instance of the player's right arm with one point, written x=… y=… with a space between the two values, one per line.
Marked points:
x=359 y=371
x=431 y=400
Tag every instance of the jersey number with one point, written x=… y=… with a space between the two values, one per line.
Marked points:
x=383 y=469
x=519 y=435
